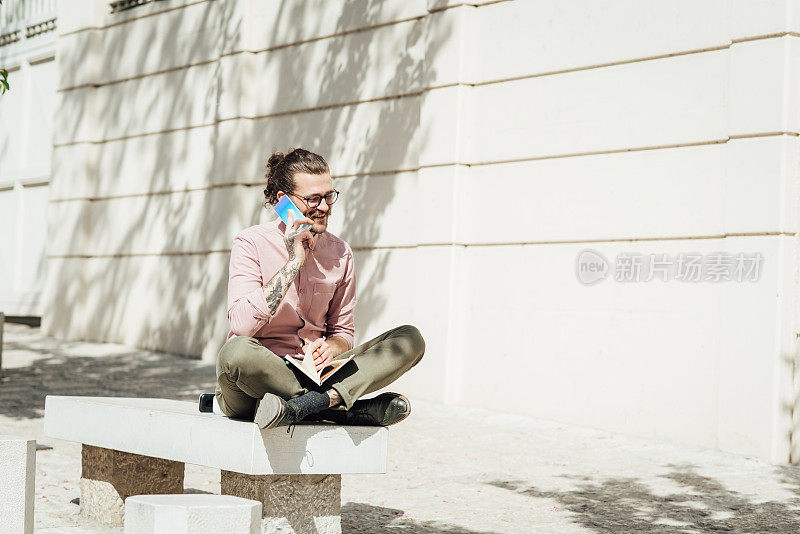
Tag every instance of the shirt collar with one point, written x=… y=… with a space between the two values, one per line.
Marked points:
x=282 y=229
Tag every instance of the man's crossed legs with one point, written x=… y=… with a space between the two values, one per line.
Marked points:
x=251 y=379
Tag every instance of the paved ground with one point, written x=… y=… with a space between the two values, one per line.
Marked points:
x=451 y=470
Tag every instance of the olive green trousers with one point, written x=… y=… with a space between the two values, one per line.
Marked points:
x=246 y=370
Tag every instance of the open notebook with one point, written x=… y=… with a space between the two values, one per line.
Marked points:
x=306 y=365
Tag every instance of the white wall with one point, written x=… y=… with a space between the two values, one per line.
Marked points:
x=26 y=146
x=630 y=126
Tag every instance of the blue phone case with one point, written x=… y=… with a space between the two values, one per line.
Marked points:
x=283 y=207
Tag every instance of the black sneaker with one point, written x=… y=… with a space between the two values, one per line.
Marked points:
x=384 y=410
x=271 y=411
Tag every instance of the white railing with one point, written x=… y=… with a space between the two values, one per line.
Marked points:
x=16 y=12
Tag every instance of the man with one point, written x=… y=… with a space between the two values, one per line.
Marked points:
x=291 y=292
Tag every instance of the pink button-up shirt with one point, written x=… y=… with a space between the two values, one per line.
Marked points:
x=319 y=302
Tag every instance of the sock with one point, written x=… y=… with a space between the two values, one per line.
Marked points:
x=308 y=403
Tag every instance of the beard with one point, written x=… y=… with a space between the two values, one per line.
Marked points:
x=320 y=225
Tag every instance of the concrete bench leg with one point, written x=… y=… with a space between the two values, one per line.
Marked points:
x=17 y=484
x=108 y=477
x=302 y=504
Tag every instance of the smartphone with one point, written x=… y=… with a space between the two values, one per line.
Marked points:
x=284 y=206
x=207 y=402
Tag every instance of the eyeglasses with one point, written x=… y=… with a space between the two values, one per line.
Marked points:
x=314 y=200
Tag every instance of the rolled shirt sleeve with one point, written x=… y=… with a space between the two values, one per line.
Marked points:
x=339 y=321
x=247 y=306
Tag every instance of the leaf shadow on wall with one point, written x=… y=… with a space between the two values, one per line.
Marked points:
x=176 y=160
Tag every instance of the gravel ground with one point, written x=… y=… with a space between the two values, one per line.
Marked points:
x=451 y=470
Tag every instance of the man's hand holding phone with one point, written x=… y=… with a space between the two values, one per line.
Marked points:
x=298 y=236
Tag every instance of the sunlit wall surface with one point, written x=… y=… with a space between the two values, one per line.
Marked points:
x=27 y=52
x=491 y=156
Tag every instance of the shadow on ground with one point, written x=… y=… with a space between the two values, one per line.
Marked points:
x=364 y=518
x=627 y=505
x=127 y=374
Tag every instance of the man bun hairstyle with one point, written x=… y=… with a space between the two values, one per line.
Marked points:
x=281 y=169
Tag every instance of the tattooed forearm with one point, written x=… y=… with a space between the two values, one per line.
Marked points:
x=279 y=284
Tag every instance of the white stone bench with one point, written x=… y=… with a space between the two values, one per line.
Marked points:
x=17 y=484
x=139 y=446
x=191 y=514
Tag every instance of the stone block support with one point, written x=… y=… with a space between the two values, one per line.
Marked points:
x=299 y=504
x=108 y=477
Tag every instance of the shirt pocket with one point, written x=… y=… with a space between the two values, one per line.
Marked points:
x=320 y=303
